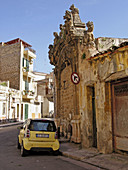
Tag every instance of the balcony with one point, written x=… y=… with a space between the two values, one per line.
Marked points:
x=28 y=94
x=27 y=73
x=29 y=54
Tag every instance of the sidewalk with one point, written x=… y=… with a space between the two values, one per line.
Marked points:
x=91 y=156
x=10 y=124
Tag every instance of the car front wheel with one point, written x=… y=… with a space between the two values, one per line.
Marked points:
x=23 y=151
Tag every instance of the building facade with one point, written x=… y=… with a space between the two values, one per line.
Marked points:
x=45 y=84
x=16 y=66
x=90 y=85
x=10 y=100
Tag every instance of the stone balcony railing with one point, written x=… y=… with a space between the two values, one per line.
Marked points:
x=30 y=93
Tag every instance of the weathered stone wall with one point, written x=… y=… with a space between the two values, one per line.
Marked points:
x=10 y=64
x=85 y=97
x=98 y=73
x=67 y=97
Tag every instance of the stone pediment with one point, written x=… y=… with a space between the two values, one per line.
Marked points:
x=73 y=29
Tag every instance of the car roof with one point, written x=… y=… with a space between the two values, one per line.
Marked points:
x=49 y=119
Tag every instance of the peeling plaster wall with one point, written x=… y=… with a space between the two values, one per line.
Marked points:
x=96 y=74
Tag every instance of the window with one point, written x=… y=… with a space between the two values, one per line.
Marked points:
x=4 y=108
x=42 y=125
x=23 y=63
x=26 y=86
x=27 y=65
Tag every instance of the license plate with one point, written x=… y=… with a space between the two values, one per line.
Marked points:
x=42 y=135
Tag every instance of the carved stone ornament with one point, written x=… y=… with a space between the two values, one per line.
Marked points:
x=74 y=10
x=50 y=53
x=61 y=34
x=89 y=37
x=56 y=39
x=69 y=32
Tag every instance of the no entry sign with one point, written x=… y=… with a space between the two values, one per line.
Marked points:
x=75 y=78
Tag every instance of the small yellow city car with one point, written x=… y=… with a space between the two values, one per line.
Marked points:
x=38 y=135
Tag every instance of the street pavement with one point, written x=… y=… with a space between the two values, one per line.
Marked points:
x=91 y=156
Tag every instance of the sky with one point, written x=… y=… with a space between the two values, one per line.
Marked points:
x=34 y=21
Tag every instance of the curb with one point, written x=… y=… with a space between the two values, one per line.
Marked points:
x=64 y=141
x=11 y=124
x=80 y=159
x=72 y=156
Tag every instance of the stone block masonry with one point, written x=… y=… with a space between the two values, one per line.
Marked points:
x=10 y=64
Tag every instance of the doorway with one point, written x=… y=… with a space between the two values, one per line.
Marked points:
x=120 y=115
x=17 y=111
x=26 y=111
x=41 y=109
x=21 y=111
x=94 y=118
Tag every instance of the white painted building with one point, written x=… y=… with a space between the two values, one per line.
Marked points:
x=45 y=90
x=23 y=98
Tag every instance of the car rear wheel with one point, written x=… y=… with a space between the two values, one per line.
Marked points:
x=56 y=153
x=24 y=152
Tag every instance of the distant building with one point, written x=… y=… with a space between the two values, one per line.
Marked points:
x=16 y=66
x=45 y=90
x=10 y=101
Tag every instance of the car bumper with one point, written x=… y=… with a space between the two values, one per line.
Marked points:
x=42 y=146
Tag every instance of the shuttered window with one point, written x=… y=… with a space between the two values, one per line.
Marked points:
x=27 y=65
x=26 y=86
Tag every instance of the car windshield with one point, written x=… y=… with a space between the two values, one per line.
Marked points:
x=42 y=125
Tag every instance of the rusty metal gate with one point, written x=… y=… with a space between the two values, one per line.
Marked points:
x=120 y=115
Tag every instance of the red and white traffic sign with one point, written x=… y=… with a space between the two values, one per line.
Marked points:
x=75 y=78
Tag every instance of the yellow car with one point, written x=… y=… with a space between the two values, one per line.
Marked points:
x=38 y=135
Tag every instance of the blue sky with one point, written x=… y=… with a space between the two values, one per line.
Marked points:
x=34 y=21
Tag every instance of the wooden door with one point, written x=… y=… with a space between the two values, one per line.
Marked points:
x=120 y=115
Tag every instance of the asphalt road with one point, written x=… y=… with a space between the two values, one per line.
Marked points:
x=10 y=158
